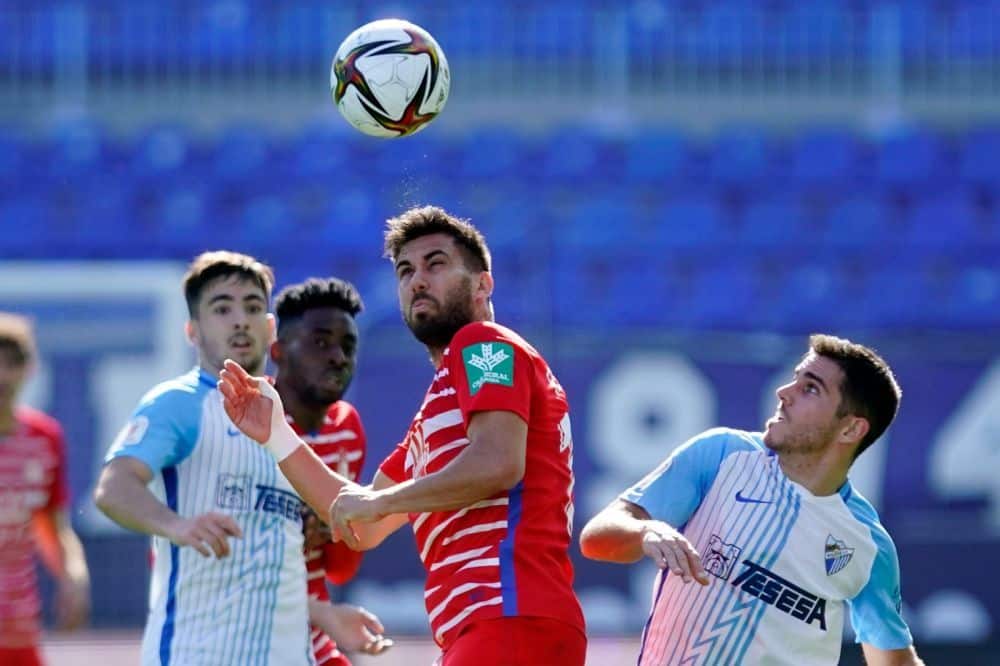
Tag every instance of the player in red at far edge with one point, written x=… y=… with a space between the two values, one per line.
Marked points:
x=484 y=473
x=33 y=501
x=315 y=354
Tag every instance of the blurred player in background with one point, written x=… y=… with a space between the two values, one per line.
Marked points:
x=770 y=528
x=33 y=501
x=484 y=473
x=182 y=472
x=315 y=356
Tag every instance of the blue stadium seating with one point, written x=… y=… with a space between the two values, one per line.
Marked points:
x=826 y=157
x=648 y=232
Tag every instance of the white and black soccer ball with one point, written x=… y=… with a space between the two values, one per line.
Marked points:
x=390 y=78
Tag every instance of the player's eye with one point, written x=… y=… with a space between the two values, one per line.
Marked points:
x=322 y=343
x=221 y=310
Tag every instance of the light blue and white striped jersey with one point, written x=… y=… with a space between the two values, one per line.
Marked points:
x=247 y=608
x=783 y=563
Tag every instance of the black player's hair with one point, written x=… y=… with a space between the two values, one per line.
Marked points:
x=295 y=300
x=17 y=339
x=869 y=389
x=208 y=266
x=426 y=220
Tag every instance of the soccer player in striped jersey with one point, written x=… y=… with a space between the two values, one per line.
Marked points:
x=315 y=356
x=33 y=516
x=484 y=474
x=760 y=538
x=228 y=583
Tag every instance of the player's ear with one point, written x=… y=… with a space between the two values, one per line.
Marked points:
x=191 y=331
x=485 y=285
x=856 y=429
x=272 y=327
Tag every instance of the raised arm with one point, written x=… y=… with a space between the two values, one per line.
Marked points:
x=624 y=532
x=254 y=407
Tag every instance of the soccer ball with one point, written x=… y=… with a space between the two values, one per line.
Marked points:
x=389 y=78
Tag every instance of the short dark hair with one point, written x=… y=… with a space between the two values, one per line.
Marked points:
x=869 y=389
x=208 y=266
x=295 y=300
x=426 y=220
x=17 y=338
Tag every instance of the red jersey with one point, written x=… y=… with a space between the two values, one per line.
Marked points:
x=506 y=555
x=340 y=443
x=32 y=480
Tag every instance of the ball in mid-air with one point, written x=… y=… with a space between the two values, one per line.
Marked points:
x=390 y=78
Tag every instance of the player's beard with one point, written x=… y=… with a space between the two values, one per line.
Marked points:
x=811 y=440
x=436 y=330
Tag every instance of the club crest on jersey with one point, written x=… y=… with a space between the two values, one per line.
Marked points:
x=488 y=363
x=720 y=557
x=836 y=555
x=232 y=491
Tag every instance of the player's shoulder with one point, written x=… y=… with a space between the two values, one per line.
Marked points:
x=487 y=331
x=38 y=421
x=342 y=412
x=727 y=441
x=863 y=512
x=192 y=385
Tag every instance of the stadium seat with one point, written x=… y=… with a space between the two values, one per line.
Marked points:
x=825 y=158
x=975 y=298
x=605 y=221
x=321 y=150
x=161 y=153
x=656 y=157
x=29 y=215
x=572 y=154
x=863 y=220
x=690 y=222
x=723 y=295
x=978 y=164
x=493 y=152
x=909 y=160
x=741 y=158
x=775 y=222
x=948 y=220
x=241 y=156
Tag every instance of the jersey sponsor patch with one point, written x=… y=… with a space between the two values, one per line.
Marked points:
x=488 y=363
x=134 y=431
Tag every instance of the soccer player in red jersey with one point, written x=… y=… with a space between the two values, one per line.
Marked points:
x=315 y=354
x=33 y=501
x=484 y=474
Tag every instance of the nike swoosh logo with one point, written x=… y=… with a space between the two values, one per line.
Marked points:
x=233 y=432
x=750 y=500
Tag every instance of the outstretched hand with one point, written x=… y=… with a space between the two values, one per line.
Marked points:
x=249 y=401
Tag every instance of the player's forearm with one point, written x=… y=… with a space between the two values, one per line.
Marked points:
x=315 y=483
x=472 y=476
x=127 y=501
x=613 y=536
x=74 y=563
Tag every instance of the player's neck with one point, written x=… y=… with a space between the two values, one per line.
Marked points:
x=816 y=472
x=306 y=416
x=7 y=421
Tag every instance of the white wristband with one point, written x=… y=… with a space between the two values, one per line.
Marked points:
x=283 y=441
